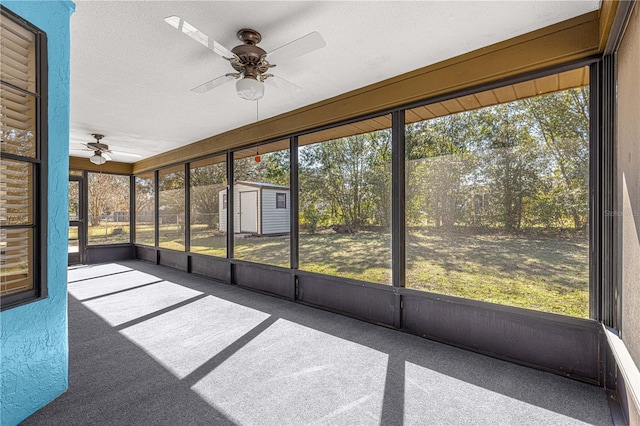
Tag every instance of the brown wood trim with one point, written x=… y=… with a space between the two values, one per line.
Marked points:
x=607 y=15
x=566 y=41
x=79 y=163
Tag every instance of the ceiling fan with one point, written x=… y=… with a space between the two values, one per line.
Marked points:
x=101 y=151
x=250 y=61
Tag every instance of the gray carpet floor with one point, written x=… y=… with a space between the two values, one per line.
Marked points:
x=154 y=346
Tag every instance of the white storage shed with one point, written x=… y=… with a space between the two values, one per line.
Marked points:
x=261 y=208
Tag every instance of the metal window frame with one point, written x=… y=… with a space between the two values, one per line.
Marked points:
x=398 y=184
x=604 y=289
x=187 y=206
x=231 y=201
x=188 y=187
x=597 y=163
x=612 y=286
x=132 y=208
x=230 y=209
x=39 y=289
x=294 y=216
x=83 y=207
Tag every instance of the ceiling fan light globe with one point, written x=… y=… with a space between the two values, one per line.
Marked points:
x=97 y=159
x=250 y=89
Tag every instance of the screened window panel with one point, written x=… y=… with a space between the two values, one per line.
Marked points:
x=108 y=221
x=171 y=215
x=261 y=232
x=145 y=209
x=497 y=205
x=207 y=186
x=344 y=205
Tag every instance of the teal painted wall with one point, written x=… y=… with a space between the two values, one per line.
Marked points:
x=34 y=354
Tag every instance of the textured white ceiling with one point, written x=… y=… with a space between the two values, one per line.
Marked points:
x=131 y=73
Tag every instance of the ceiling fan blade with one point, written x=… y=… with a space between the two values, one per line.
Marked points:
x=191 y=31
x=126 y=154
x=82 y=150
x=302 y=46
x=106 y=156
x=284 y=85
x=85 y=147
x=212 y=84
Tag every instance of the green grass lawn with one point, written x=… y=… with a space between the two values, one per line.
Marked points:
x=105 y=233
x=549 y=274
x=541 y=273
x=208 y=241
x=363 y=256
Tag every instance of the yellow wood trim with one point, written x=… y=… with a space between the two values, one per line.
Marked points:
x=80 y=163
x=566 y=41
x=607 y=15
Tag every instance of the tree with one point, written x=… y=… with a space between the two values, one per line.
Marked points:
x=107 y=194
x=349 y=179
x=438 y=163
x=171 y=196
x=145 y=198
x=379 y=176
x=74 y=196
x=561 y=121
x=512 y=160
x=206 y=183
x=276 y=167
x=272 y=168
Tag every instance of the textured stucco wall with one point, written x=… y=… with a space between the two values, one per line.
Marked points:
x=34 y=353
x=628 y=182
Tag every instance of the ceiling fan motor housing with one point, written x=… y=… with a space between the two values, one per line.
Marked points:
x=250 y=62
x=99 y=146
x=249 y=36
x=251 y=58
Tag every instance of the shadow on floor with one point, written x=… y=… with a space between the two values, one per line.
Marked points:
x=152 y=345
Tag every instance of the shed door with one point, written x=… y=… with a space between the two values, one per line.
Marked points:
x=249 y=211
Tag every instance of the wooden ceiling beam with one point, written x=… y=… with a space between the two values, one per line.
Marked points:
x=607 y=16
x=81 y=163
